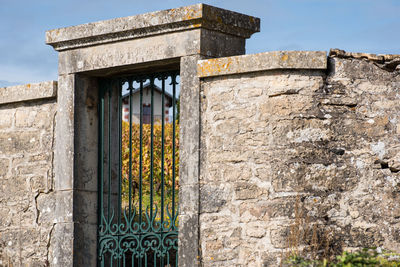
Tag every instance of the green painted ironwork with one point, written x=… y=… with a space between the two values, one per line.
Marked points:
x=138 y=211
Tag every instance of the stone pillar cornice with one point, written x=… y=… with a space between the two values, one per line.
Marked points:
x=154 y=23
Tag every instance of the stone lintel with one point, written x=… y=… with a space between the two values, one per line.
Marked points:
x=262 y=62
x=27 y=92
x=154 y=23
x=158 y=48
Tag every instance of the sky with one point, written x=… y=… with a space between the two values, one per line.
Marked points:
x=371 y=26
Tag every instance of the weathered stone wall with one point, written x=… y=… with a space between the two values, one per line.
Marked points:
x=286 y=142
x=285 y=139
x=26 y=173
x=157 y=41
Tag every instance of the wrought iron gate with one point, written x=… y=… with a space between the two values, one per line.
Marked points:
x=138 y=170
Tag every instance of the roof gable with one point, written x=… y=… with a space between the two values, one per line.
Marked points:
x=147 y=86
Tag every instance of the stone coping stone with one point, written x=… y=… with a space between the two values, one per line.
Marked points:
x=261 y=62
x=28 y=92
x=160 y=22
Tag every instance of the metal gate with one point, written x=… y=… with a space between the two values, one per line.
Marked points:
x=138 y=170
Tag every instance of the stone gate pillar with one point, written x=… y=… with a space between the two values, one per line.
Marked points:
x=175 y=38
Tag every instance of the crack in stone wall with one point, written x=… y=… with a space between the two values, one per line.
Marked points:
x=48 y=244
x=26 y=179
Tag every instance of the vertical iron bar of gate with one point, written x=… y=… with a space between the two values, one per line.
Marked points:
x=130 y=148
x=119 y=159
x=162 y=160
x=101 y=165
x=141 y=164
x=173 y=77
x=151 y=149
x=152 y=156
x=153 y=229
x=109 y=157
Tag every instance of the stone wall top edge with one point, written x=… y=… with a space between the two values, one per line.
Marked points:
x=335 y=52
x=159 y=22
x=28 y=92
x=262 y=61
x=389 y=62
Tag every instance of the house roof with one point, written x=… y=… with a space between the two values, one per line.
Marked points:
x=146 y=85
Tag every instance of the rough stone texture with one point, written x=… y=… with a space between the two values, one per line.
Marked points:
x=262 y=61
x=165 y=40
x=264 y=136
x=85 y=169
x=76 y=172
x=276 y=142
x=275 y=134
x=155 y=23
x=28 y=92
x=388 y=62
x=150 y=49
x=27 y=198
x=189 y=167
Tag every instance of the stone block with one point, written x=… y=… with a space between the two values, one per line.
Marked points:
x=46 y=207
x=230 y=156
x=253 y=211
x=213 y=197
x=188 y=237
x=61 y=245
x=125 y=53
x=85 y=207
x=6 y=118
x=262 y=62
x=47 y=140
x=155 y=23
x=33 y=250
x=285 y=105
x=255 y=229
x=17 y=142
x=28 y=92
x=362 y=237
x=64 y=132
x=85 y=235
x=38 y=169
x=209 y=220
x=246 y=113
x=245 y=190
x=10 y=245
x=14 y=188
x=86 y=142
x=280 y=235
x=5 y=219
x=54 y=207
x=29 y=219
x=190 y=193
x=40 y=117
x=41 y=157
x=4 y=167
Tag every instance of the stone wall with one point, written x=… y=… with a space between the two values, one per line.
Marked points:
x=26 y=173
x=289 y=141
x=164 y=40
x=295 y=147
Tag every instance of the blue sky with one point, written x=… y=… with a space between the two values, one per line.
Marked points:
x=371 y=26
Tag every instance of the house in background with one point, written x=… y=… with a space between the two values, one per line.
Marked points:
x=157 y=101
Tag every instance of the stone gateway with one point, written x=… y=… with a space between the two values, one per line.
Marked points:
x=277 y=151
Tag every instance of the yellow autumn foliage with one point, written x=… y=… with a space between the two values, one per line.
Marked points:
x=134 y=171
